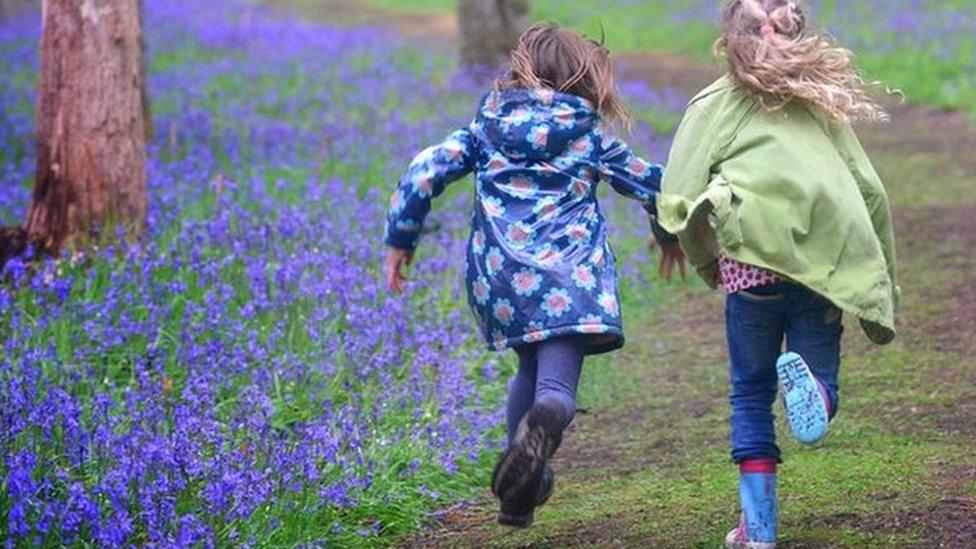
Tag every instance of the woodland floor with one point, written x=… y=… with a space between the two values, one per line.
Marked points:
x=647 y=464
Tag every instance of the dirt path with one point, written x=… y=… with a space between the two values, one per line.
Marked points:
x=646 y=466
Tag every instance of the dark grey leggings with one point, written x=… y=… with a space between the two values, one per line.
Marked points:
x=548 y=371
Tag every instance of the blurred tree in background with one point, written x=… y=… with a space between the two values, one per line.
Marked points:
x=489 y=29
x=91 y=125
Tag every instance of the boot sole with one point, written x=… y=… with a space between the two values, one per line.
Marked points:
x=806 y=409
x=516 y=521
x=520 y=471
x=521 y=466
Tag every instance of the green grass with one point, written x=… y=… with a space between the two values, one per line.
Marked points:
x=692 y=506
x=665 y=478
x=398 y=503
x=924 y=75
x=686 y=495
x=669 y=481
x=872 y=465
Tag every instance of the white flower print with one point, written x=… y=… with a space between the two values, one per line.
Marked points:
x=454 y=150
x=582 y=147
x=591 y=324
x=547 y=256
x=527 y=282
x=520 y=187
x=503 y=312
x=396 y=201
x=564 y=116
x=517 y=117
x=583 y=277
x=538 y=137
x=498 y=162
x=408 y=226
x=534 y=332
x=556 y=302
x=424 y=157
x=590 y=212
x=608 y=300
x=638 y=166
x=519 y=235
x=494 y=261
x=578 y=233
x=423 y=185
x=579 y=188
x=544 y=96
x=598 y=258
x=481 y=290
x=493 y=206
x=547 y=209
x=478 y=242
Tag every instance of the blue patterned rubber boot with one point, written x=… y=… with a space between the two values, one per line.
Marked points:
x=757 y=495
x=807 y=407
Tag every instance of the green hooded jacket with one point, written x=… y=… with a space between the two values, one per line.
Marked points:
x=791 y=191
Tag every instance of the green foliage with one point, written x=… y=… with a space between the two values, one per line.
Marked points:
x=919 y=69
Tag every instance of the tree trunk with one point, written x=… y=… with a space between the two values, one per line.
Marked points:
x=91 y=157
x=489 y=29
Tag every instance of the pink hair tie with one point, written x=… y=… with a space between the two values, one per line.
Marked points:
x=767 y=30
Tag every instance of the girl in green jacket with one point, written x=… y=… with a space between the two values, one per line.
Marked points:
x=774 y=199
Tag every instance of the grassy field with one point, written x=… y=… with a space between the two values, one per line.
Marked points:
x=241 y=376
x=648 y=464
x=925 y=49
x=242 y=364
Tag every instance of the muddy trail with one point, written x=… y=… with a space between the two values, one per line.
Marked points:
x=669 y=411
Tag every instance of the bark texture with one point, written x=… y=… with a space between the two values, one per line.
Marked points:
x=489 y=29
x=91 y=158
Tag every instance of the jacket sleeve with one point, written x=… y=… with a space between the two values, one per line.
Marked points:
x=875 y=198
x=429 y=174
x=635 y=178
x=690 y=162
x=687 y=177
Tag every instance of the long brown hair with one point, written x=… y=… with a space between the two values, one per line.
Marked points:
x=549 y=56
x=770 y=51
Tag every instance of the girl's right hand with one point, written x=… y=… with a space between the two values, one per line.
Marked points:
x=396 y=259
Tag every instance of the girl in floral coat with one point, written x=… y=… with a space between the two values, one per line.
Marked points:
x=541 y=276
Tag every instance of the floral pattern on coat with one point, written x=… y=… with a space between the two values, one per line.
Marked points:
x=538 y=263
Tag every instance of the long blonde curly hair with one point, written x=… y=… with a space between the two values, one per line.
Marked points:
x=770 y=51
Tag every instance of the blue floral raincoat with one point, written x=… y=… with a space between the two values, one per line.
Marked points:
x=538 y=264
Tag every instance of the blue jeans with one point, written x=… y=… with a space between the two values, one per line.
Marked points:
x=757 y=321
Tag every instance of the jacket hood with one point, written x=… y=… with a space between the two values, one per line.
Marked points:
x=534 y=124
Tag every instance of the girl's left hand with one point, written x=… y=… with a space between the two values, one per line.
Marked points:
x=396 y=259
x=672 y=255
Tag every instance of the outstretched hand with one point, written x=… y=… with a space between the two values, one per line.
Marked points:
x=396 y=259
x=671 y=256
